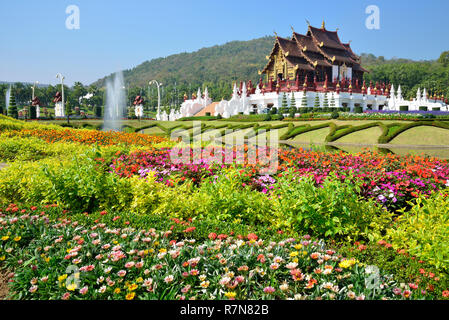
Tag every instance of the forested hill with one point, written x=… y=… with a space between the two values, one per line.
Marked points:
x=218 y=66
x=232 y=61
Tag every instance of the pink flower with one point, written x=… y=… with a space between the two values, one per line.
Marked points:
x=269 y=290
x=121 y=273
x=84 y=290
x=66 y=296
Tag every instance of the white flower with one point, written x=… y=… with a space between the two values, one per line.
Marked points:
x=284 y=286
x=168 y=279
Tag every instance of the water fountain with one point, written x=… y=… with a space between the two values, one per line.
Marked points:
x=7 y=97
x=115 y=106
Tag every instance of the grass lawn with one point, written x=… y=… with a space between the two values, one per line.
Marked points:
x=367 y=136
x=315 y=136
x=423 y=136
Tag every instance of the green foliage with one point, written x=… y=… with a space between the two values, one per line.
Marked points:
x=228 y=200
x=335 y=115
x=332 y=210
x=423 y=231
x=12 y=108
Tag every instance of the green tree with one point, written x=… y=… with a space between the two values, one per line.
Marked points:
x=444 y=58
x=304 y=100
x=317 y=103
x=12 y=109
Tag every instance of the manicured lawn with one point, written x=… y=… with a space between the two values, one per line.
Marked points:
x=423 y=136
x=367 y=136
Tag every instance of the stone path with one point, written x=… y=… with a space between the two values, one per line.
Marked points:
x=4 y=290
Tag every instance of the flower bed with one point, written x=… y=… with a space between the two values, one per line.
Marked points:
x=392 y=180
x=89 y=136
x=67 y=260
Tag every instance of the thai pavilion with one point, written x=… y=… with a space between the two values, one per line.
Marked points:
x=313 y=70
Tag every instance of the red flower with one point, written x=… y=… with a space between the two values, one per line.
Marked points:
x=190 y=229
x=252 y=236
x=104 y=212
x=445 y=293
x=222 y=236
x=212 y=236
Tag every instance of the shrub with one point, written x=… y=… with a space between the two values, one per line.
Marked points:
x=358 y=109
x=228 y=200
x=98 y=111
x=207 y=114
x=403 y=108
x=334 y=115
x=333 y=210
x=422 y=108
x=423 y=230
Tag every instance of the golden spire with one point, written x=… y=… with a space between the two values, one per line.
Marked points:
x=275 y=33
x=323 y=25
x=293 y=30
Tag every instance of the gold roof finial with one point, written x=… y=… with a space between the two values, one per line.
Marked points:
x=293 y=30
x=308 y=23
x=323 y=25
x=275 y=33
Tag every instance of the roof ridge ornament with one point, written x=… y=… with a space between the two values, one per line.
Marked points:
x=308 y=23
x=323 y=25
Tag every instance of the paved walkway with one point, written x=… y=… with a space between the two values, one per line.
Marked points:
x=2 y=165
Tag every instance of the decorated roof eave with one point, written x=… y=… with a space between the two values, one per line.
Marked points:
x=333 y=58
x=310 y=61
x=270 y=57
x=309 y=30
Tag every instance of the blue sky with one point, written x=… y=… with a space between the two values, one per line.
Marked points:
x=35 y=43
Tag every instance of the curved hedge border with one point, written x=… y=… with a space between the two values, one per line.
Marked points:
x=293 y=132
x=386 y=136
x=333 y=135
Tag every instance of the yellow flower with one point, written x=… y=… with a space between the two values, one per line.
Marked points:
x=2 y=258
x=346 y=263
x=294 y=253
x=156 y=243
x=162 y=250
x=295 y=260
x=4 y=238
x=115 y=242
x=62 y=278
x=117 y=290
x=204 y=284
x=231 y=294
x=140 y=279
x=47 y=259
x=151 y=250
x=17 y=238
x=133 y=287
x=130 y=296
x=298 y=246
x=72 y=286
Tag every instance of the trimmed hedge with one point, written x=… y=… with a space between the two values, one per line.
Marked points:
x=387 y=136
